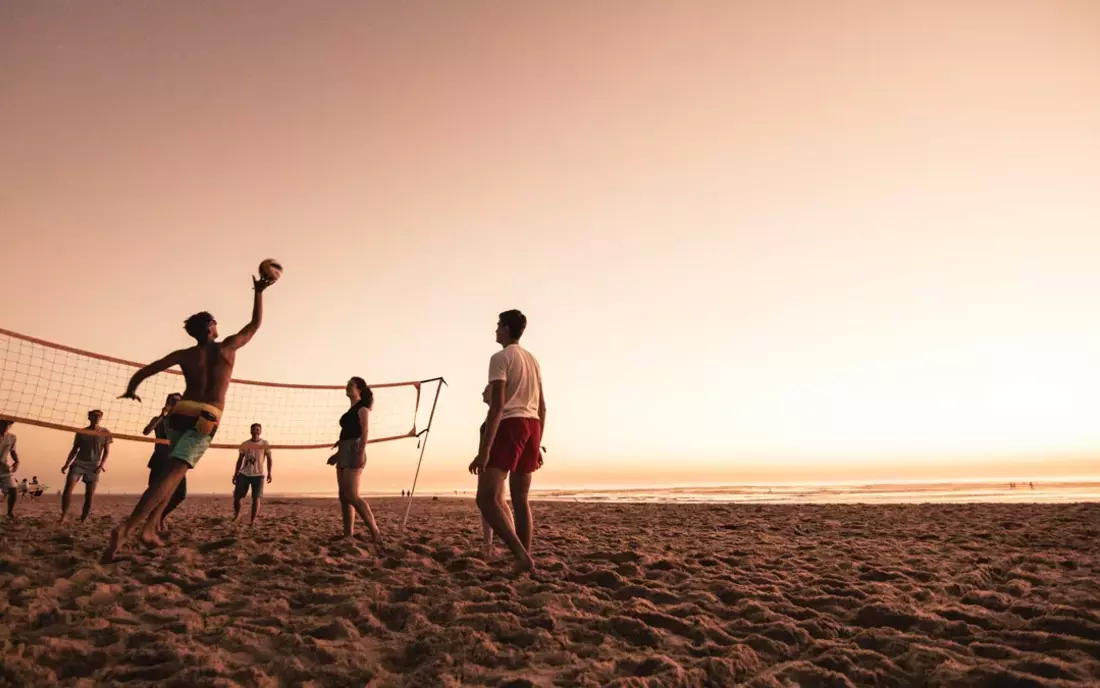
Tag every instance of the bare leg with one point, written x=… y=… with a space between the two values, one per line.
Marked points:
x=503 y=503
x=345 y=508
x=488 y=486
x=67 y=494
x=237 y=496
x=89 y=494
x=177 y=498
x=148 y=535
x=519 y=484
x=487 y=530
x=350 y=488
x=13 y=494
x=487 y=538
x=255 y=509
x=148 y=508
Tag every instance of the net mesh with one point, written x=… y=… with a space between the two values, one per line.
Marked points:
x=54 y=386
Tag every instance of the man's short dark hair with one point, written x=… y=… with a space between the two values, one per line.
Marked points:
x=515 y=322
x=255 y=425
x=198 y=325
x=95 y=411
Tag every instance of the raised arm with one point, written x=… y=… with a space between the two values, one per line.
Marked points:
x=243 y=337
x=149 y=371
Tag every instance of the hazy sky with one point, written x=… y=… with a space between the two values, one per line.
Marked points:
x=755 y=240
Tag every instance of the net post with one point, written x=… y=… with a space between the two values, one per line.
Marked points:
x=423 y=446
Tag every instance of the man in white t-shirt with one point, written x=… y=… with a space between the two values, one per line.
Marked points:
x=510 y=443
x=249 y=472
x=7 y=470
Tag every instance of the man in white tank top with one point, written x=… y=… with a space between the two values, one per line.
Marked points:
x=510 y=443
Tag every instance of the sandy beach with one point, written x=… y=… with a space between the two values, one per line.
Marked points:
x=625 y=595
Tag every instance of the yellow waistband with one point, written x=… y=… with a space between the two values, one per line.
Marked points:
x=186 y=407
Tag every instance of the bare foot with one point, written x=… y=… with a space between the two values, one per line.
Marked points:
x=112 y=548
x=524 y=565
x=150 y=539
x=489 y=552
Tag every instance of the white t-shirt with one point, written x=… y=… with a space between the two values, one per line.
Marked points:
x=522 y=378
x=7 y=443
x=253 y=464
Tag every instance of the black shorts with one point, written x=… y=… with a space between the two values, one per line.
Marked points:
x=246 y=481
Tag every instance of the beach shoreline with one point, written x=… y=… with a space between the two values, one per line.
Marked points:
x=638 y=594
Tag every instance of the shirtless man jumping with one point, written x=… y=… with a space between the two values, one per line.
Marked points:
x=207 y=368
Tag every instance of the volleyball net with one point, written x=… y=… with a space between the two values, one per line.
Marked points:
x=55 y=386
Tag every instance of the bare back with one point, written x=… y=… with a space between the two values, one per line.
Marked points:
x=207 y=368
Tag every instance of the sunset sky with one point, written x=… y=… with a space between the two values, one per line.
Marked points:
x=755 y=241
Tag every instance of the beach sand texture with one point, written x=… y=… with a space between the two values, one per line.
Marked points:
x=626 y=595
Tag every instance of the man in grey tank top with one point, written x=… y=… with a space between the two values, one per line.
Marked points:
x=88 y=459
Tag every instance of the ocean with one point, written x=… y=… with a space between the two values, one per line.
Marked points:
x=972 y=491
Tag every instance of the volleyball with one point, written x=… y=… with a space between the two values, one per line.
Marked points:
x=271 y=270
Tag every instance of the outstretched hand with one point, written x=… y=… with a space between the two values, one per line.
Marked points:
x=130 y=395
x=259 y=284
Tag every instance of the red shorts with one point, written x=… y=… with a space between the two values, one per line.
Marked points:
x=516 y=446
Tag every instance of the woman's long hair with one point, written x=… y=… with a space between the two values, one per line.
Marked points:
x=365 y=393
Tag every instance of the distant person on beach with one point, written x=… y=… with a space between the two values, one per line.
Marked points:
x=88 y=459
x=8 y=470
x=160 y=462
x=34 y=489
x=510 y=444
x=351 y=457
x=249 y=472
x=207 y=368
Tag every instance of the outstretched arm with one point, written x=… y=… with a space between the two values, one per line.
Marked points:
x=243 y=337
x=149 y=371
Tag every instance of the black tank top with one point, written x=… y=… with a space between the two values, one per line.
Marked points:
x=350 y=427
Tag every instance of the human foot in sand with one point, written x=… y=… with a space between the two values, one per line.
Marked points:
x=148 y=537
x=523 y=565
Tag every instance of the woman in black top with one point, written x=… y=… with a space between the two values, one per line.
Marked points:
x=162 y=460
x=351 y=457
